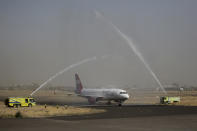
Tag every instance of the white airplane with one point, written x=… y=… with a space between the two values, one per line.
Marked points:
x=95 y=95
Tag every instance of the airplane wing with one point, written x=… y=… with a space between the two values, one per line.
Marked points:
x=71 y=94
x=93 y=99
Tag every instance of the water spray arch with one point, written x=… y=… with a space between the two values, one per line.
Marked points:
x=63 y=71
x=133 y=47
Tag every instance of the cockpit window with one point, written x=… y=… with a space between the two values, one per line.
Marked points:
x=123 y=92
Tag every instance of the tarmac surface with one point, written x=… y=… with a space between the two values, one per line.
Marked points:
x=125 y=118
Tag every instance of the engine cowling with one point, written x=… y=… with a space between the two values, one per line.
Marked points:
x=92 y=100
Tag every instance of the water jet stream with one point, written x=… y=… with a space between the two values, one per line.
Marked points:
x=62 y=71
x=134 y=48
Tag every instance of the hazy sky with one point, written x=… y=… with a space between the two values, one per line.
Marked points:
x=38 y=38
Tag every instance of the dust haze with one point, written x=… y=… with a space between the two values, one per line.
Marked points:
x=40 y=38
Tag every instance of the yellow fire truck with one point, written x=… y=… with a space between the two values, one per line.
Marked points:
x=20 y=102
x=169 y=100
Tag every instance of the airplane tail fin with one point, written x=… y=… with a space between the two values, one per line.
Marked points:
x=79 y=86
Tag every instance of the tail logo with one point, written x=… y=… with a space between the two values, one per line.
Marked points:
x=79 y=86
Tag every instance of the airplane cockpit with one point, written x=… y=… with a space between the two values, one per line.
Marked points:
x=123 y=92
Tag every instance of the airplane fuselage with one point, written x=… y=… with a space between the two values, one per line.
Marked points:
x=94 y=95
x=105 y=94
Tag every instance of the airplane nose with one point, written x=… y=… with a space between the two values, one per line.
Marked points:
x=126 y=96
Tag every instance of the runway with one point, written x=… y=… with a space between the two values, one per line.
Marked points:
x=131 y=111
x=126 y=118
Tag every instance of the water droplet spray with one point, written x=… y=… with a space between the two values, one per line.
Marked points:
x=133 y=47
